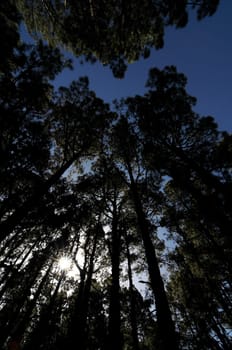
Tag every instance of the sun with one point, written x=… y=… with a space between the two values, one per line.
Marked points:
x=64 y=263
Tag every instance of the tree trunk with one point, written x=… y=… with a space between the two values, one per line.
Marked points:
x=22 y=324
x=9 y=278
x=115 y=338
x=46 y=320
x=78 y=327
x=8 y=225
x=133 y=318
x=166 y=328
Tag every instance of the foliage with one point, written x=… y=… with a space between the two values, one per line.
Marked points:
x=114 y=32
x=99 y=187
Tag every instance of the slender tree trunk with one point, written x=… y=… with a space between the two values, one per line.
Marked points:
x=226 y=343
x=8 y=225
x=166 y=328
x=76 y=316
x=21 y=325
x=115 y=337
x=10 y=278
x=16 y=306
x=32 y=270
x=133 y=318
x=78 y=328
x=88 y=283
x=42 y=328
x=11 y=244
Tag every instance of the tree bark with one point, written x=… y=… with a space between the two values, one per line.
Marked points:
x=78 y=327
x=133 y=318
x=166 y=328
x=115 y=337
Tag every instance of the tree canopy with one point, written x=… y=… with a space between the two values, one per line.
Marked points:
x=115 y=222
x=113 y=32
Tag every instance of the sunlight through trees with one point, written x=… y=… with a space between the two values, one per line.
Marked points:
x=74 y=248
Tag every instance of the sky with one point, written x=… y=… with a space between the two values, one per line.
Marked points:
x=202 y=51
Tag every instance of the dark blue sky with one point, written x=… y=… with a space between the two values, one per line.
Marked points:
x=202 y=51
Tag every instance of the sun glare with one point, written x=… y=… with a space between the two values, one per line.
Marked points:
x=64 y=263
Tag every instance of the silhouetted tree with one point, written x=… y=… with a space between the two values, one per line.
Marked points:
x=114 y=33
x=81 y=181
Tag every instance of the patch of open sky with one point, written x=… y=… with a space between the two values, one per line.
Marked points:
x=202 y=51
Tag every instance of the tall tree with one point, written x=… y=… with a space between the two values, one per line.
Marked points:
x=76 y=119
x=173 y=131
x=76 y=177
x=126 y=150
